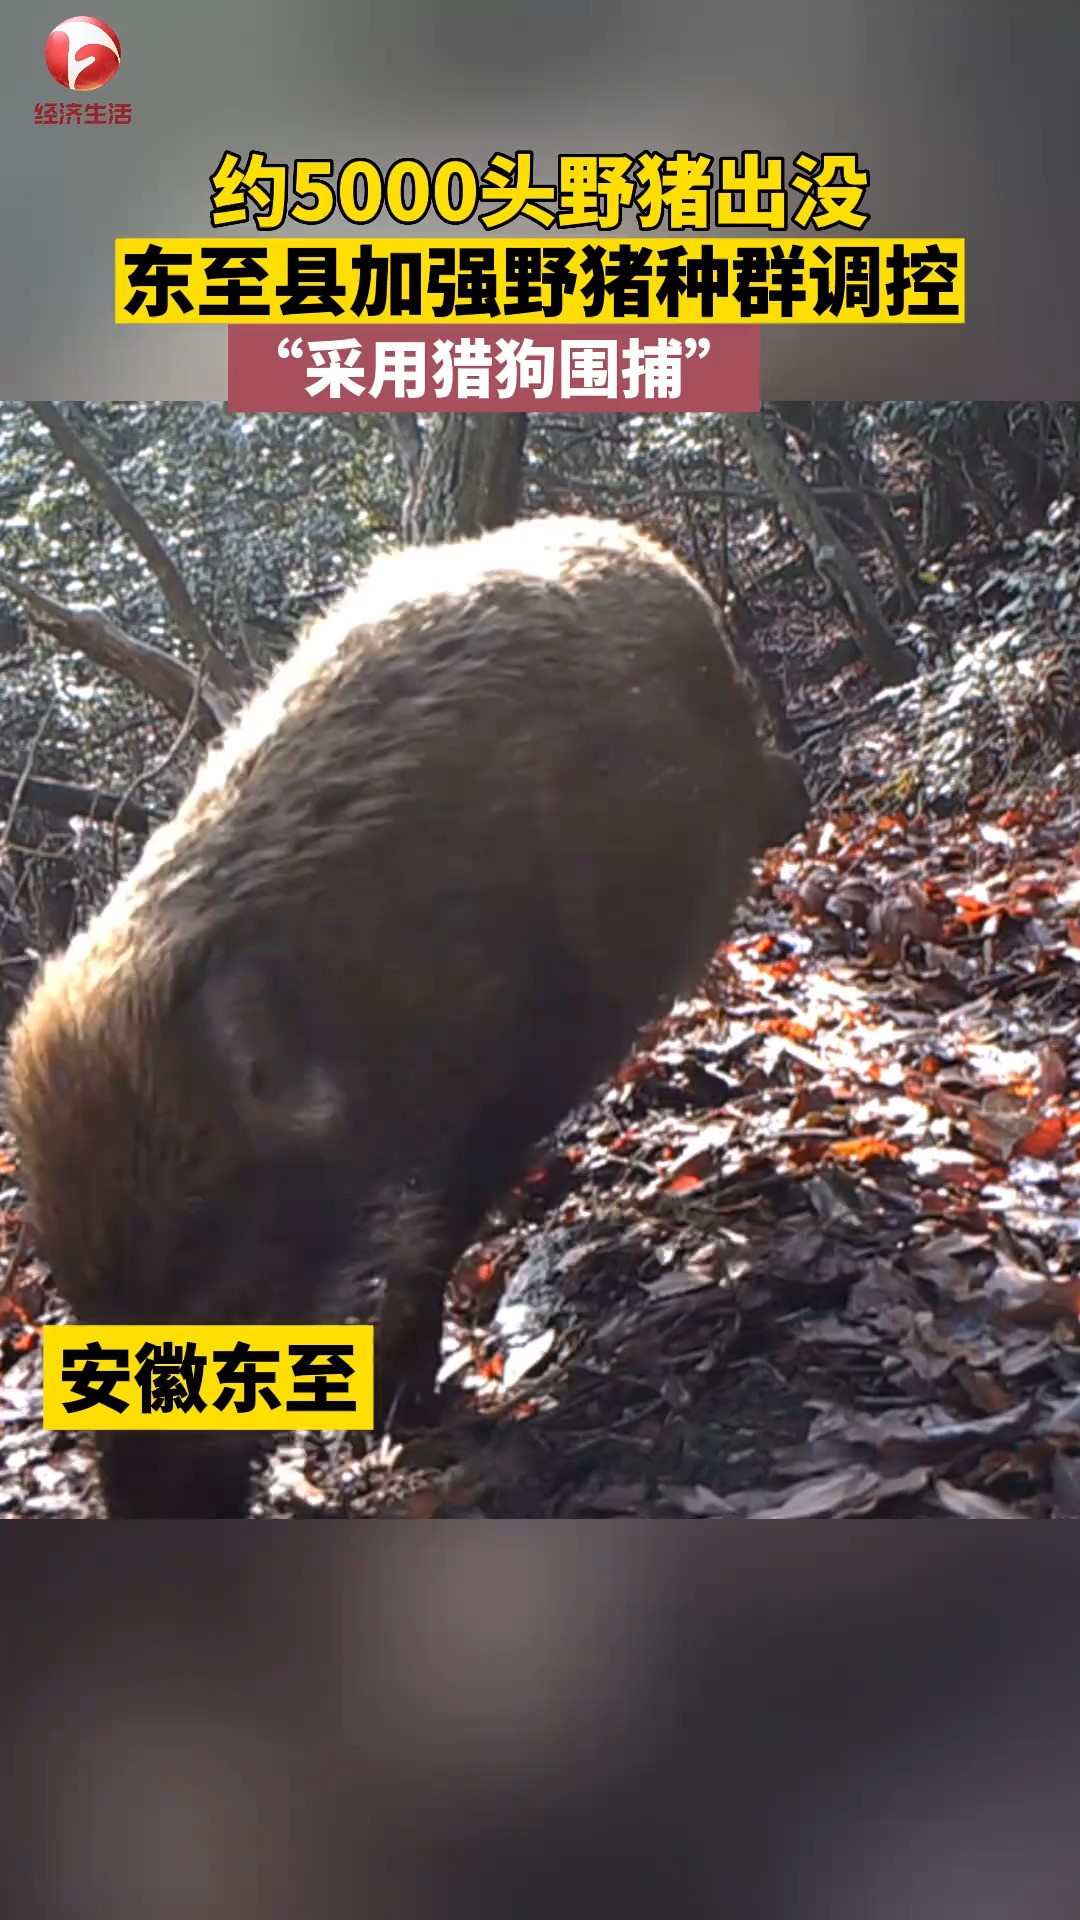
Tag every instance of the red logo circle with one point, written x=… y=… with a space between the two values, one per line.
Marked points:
x=82 y=53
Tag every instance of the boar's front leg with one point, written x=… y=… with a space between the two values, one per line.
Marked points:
x=569 y=1034
x=176 y=1476
x=408 y=1345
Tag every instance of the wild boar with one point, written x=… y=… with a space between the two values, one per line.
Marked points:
x=493 y=812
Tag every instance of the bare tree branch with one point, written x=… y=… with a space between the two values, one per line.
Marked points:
x=19 y=788
x=166 y=680
x=189 y=620
x=154 y=772
x=60 y=797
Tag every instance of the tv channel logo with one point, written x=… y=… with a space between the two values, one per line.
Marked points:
x=82 y=53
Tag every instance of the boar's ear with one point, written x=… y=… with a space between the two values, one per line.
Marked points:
x=262 y=1032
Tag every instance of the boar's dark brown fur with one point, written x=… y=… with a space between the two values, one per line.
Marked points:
x=493 y=812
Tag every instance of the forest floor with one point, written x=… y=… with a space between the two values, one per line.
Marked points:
x=816 y=1250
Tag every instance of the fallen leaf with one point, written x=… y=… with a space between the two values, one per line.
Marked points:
x=964 y=1505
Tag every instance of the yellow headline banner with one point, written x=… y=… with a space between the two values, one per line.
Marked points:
x=186 y=1378
x=263 y=282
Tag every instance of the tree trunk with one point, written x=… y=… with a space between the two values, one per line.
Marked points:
x=463 y=472
x=1022 y=449
x=831 y=557
x=942 y=515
